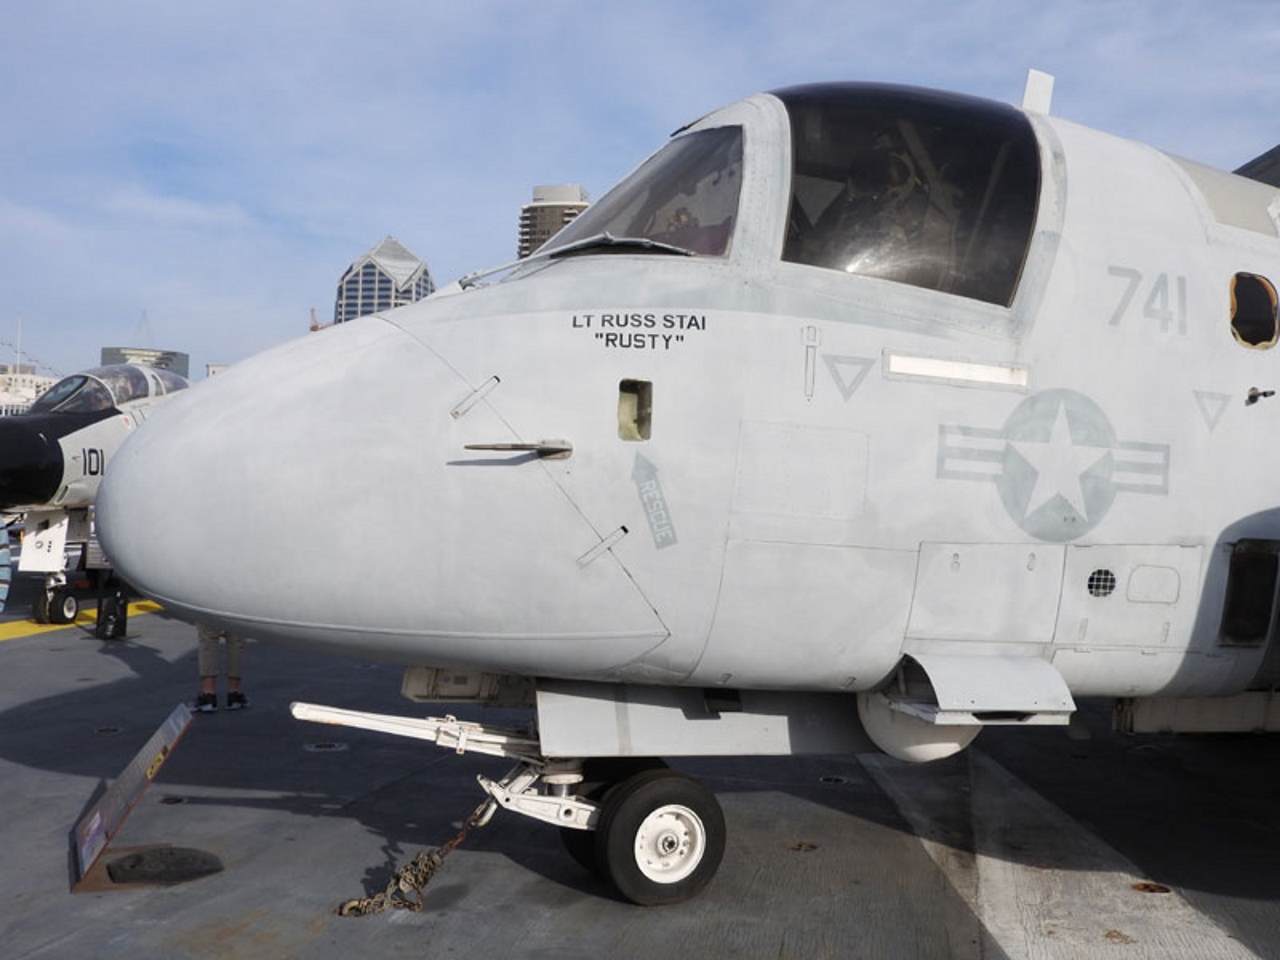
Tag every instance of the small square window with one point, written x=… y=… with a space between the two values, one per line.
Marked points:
x=635 y=409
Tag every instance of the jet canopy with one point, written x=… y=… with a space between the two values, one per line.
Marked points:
x=930 y=189
x=103 y=388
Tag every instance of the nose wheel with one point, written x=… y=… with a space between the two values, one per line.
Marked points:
x=56 y=605
x=660 y=837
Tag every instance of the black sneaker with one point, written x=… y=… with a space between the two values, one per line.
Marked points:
x=236 y=700
x=206 y=703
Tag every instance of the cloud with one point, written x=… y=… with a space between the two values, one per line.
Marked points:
x=219 y=165
x=135 y=203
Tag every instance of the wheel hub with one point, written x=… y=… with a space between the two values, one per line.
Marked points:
x=670 y=844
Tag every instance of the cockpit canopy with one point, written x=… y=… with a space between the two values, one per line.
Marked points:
x=930 y=189
x=105 y=387
x=925 y=188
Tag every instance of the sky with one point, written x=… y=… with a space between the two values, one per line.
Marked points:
x=197 y=176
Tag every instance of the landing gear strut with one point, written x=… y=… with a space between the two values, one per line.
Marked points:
x=58 y=604
x=656 y=835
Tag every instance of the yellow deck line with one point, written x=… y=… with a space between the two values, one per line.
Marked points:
x=85 y=618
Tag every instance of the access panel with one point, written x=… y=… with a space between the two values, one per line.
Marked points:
x=986 y=592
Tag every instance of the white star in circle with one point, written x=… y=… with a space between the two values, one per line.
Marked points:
x=1059 y=464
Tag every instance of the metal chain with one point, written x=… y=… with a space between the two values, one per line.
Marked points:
x=404 y=889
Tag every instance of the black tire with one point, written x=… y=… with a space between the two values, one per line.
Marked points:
x=599 y=776
x=40 y=609
x=660 y=838
x=63 y=606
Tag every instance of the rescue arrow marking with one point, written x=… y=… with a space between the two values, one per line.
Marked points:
x=654 y=501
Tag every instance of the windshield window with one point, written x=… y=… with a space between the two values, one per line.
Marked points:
x=74 y=394
x=929 y=189
x=685 y=195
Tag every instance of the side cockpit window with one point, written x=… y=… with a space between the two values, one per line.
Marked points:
x=923 y=188
x=170 y=382
x=1254 y=321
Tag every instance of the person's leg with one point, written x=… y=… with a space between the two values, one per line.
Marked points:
x=235 y=670
x=207 y=666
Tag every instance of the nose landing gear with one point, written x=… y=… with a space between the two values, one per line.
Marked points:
x=656 y=835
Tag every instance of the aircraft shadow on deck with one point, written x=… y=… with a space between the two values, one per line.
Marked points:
x=1171 y=805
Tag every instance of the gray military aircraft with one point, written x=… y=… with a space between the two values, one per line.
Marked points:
x=857 y=417
x=53 y=457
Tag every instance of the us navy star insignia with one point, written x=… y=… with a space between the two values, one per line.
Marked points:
x=1056 y=463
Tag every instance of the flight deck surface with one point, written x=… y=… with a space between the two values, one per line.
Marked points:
x=1028 y=845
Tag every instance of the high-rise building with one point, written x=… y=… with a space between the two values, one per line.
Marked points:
x=386 y=277
x=173 y=360
x=553 y=206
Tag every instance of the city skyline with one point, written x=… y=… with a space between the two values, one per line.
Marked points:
x=215 y=167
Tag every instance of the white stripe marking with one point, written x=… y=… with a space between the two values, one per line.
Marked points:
x=958 y=371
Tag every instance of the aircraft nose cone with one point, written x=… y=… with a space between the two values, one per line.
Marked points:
x=30 y=464
x=238 y=491
x=323 y=493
